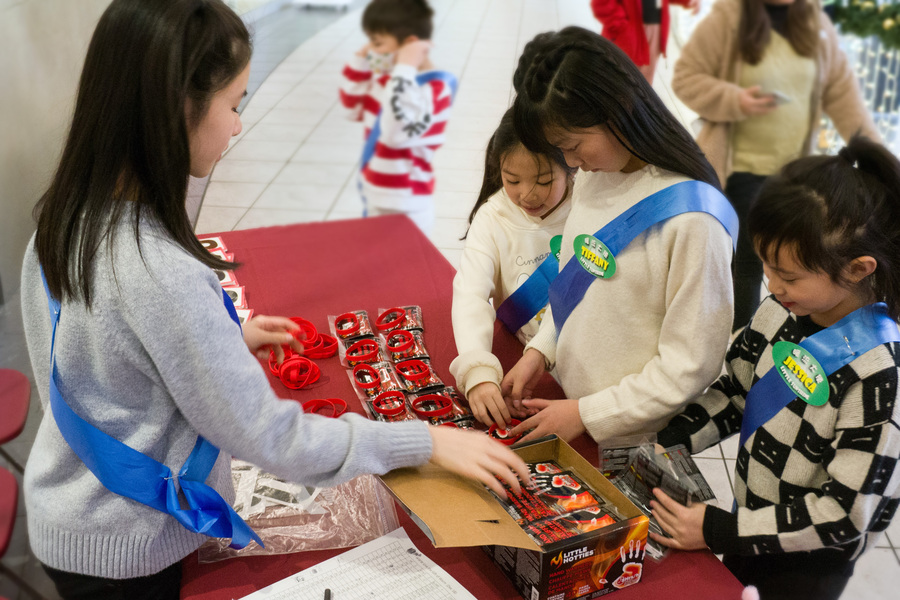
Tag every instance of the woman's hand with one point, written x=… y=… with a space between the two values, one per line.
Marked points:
x=683 y=523
x=753 y=104
x=523 y=377
x=474 y=455
x=488 y=405
x=554 y=416
x=263 y=334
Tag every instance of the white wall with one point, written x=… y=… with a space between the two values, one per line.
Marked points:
x=42 y=48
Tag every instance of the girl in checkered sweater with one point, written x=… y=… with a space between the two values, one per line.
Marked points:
x=815 y=486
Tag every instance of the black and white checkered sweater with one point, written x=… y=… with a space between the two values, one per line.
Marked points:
x=812 y=479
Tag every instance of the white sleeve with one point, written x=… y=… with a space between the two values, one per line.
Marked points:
x=472 y=312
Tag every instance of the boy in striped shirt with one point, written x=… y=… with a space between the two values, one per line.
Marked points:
x=392 y=87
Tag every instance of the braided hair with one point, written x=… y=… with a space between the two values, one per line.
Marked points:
x=832 y=209
x=575 y=79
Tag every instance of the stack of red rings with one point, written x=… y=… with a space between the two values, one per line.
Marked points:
x=298 y=371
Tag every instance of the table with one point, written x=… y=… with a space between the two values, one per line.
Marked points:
x=319 y=269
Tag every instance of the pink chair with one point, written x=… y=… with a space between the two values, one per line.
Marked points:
x=9 y=501
x=15 y=393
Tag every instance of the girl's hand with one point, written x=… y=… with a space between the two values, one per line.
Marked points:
x=555 y=416
x=487 y=404
x=693 y=6
x=523 y=377
x=364 y=51
x=753 y=104
x=263 y=334
x=683 y=523
x=413 y=52
x=474 y=455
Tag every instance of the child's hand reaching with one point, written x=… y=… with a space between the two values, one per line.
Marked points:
x=474 y=455
x=364 y=51
x=554 y=416
x=683 y=523
x=487 y=404
x=521 y=380
x=414 y=52
x=263 y=334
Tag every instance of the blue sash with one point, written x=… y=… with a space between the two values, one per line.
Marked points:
x=371 y=141
x=567 y=290
x=851 y=337
x=529 y=298
x=127 y=472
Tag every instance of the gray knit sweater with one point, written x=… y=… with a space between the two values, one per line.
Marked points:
x=156 y=362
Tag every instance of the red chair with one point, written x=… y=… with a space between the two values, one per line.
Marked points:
x=15 y=393
x=9 y=500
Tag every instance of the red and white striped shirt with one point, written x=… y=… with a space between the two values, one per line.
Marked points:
x=400 y=175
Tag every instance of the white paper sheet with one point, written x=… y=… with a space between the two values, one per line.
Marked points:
x=389 y=567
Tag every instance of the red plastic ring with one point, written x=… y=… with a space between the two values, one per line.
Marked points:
x=298 y=371
x=384 y=403
x=274 y=367
x=363 y=350
x=366 y=385
x=406 y=341
x=338 y=406
x=413 y=369
x=325 y=349
x=382 y=322
x=308 y=331
x=346 y=331
x=495 y=433
x=444 y=406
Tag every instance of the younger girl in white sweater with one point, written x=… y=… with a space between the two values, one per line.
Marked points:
x=523 y=204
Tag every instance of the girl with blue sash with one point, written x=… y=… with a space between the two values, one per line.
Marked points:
x=810 y=385
x=143 y=373
x=503 y=273
x=640 y=311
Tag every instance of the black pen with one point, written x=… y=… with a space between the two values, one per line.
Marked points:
x=327 y=594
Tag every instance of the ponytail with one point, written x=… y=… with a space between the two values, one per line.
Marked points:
x=834 y=209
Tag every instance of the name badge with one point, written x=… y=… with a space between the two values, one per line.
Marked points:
x=594 y=257
x=801 y=372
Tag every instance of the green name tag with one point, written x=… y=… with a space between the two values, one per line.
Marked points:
x=556 y=246
x=594 y=256
x=801 y=372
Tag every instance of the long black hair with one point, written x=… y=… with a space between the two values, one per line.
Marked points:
x=574 y=79
x=755 y=29
x=502 y=142
x=128 y=142
x=832 y=209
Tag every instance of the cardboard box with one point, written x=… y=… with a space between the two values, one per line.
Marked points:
x=455 y=512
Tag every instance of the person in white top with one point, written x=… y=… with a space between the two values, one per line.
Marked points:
x=644 y=342
x=523 y=204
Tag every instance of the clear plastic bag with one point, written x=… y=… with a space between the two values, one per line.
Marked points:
x=289 y=517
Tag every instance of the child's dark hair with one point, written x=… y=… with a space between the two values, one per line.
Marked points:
x=575 y=79
x=128 y=141
x=398 y=18
x=832 y=209
x=502 y=142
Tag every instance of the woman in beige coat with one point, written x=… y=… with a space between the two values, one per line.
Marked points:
x=760 y=73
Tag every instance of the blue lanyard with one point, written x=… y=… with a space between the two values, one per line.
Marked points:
x=834 y=347
x=127 y=472
x=569 y=287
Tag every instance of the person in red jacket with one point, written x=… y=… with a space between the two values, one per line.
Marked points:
x=639 y=27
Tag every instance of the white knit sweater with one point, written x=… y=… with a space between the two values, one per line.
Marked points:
x=504 y=247
x=643 y=343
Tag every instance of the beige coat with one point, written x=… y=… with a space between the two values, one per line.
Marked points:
x=708 y=70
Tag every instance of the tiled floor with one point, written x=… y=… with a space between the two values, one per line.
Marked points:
x=296 y=160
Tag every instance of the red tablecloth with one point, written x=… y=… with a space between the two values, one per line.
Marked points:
x=319 y=269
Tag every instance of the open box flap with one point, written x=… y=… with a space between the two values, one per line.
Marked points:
x=454 y=511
